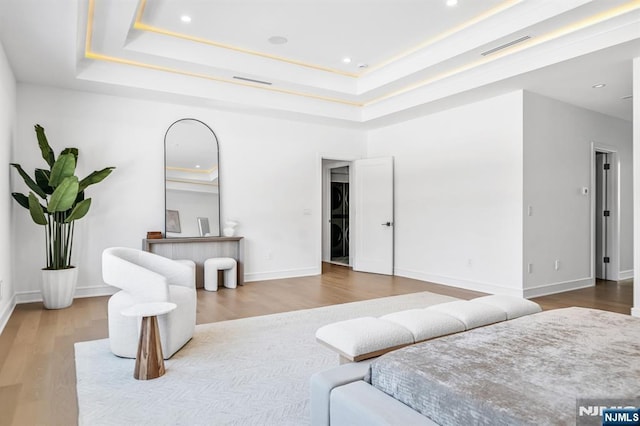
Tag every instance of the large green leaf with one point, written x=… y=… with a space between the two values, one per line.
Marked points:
x=64 y=167
x=47 y=152
x=80 y=196
x=95 y=177
x=30 y=182
x=37 y=214
x=42 y=179
x=73 y=151
x=79 y=211
x=22 y=199
x=64 y=196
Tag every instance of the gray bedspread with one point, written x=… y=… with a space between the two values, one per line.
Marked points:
x=527 y=371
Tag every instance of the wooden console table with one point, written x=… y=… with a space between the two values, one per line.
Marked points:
x=199 y=249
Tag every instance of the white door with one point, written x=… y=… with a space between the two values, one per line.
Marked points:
x=601 y=260
x=373 y=208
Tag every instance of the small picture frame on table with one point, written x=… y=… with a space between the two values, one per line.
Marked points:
x=173 y=221
x=203 y=226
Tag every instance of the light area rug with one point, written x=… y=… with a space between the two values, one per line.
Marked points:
x=250 y=371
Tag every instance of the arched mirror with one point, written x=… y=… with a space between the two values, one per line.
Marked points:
x=192 y=186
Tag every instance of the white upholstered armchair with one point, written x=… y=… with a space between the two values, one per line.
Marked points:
x=146 y=277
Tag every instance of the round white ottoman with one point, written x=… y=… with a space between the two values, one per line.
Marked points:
x=215 y=264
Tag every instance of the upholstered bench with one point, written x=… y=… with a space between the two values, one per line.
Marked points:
x=368 y=337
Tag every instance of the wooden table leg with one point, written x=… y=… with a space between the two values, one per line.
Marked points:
x=149 y=361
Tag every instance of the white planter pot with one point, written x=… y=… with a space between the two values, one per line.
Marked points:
x=58 y=287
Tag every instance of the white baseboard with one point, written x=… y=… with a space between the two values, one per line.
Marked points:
x=275 y=275
x=553 y=288
x=92 y=291
x=635 y=312
x=625 y=275
x=458 y=282
x=6 y=313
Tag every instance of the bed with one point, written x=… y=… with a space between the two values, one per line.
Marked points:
x=527 y=371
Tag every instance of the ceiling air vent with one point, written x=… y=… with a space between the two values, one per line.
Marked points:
x=504 y=46
x=252 y=80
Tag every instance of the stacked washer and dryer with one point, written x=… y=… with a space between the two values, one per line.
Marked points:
x=340 y=215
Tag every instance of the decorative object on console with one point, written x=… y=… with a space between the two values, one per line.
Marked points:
x=148 y=278
x=203 y=227
x=65 y=202
x=173 y=221
x=229 y=228
x=154 y=235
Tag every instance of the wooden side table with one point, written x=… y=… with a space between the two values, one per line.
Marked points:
x=149 y=360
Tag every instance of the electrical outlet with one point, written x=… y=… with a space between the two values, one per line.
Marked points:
x=556 y=265
x=530 y=268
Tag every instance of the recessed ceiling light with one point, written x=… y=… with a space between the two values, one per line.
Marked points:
x=346 y=60
x=185 y=18
x=197 y=166
x=278 y=40
x=452 y=2
x=627 y=97
x=598 y=86
x=363 y=65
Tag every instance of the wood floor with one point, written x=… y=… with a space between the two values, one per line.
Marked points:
x=37 y=370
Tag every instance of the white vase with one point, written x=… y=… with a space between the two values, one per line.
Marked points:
x=229 y=228
x=58 y=287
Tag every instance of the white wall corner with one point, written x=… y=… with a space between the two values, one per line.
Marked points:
x=560 y=287
x=635 y=312
x=6 y=313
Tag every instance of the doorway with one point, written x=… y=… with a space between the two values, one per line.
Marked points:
x=336 y=212
x=605 y=212
x=357 y=205
x=339 y=221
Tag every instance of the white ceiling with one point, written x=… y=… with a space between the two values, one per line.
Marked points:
x=421 y=55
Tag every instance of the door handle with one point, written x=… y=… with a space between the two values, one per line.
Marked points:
x=387 y=224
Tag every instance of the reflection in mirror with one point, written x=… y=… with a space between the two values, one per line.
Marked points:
x=192 y=187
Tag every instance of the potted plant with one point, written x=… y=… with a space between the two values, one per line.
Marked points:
x=64 y=203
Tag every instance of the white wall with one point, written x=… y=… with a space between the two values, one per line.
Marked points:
x=458 y=194
x=557 y=153
x=7 y=132
x=269 y=175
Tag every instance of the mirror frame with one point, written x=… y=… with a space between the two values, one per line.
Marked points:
x=165 y=176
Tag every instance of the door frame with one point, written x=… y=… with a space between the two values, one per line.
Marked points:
x=613 y=243
x=326 y=210
x=324 y=189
